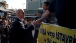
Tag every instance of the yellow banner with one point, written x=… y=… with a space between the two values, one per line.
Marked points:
x=56 y=34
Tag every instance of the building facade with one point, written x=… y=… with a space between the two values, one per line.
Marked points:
x=32 y=6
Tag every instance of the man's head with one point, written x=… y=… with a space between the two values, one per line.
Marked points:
x=38 y=14
x=46 y=5
x=5 y=22
x=20 y=13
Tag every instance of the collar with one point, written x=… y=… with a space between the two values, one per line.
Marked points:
x=21 y=19
x=4 y=26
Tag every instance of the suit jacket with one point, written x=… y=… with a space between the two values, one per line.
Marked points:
x=18 y=34
x=35 y=36
x=31 y=39
x=1 y=30
x=5 y=32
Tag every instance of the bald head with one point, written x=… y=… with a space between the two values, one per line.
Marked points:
x=20 y=13
x=19 y=10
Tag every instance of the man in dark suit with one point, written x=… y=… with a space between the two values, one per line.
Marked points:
x=18 y=32
x=35 y=36
x=5 y=32
x=32 y=36
x=1 y=32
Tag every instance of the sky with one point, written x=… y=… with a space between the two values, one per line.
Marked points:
x=16 y=4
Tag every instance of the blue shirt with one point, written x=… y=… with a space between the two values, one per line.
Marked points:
x=64 y=12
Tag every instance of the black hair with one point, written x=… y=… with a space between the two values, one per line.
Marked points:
x=47 y=3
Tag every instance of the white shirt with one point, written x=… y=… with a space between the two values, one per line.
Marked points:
x=33 y=33
x=22 y=20
x=4 y=26
x=22 y=24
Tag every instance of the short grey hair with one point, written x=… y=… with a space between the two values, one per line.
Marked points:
x=17 y=11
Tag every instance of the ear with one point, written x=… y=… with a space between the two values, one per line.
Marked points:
x=47 y=6
x=23 y=12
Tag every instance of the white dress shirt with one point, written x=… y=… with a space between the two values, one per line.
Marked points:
x=4 y=26
x=33 y=33
x=22 y=24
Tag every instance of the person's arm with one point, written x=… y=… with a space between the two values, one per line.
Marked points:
x=45 y=15
x=2 y=31
x=11 y=32
x=8 y=30
x=50 y=9
x=31 y=27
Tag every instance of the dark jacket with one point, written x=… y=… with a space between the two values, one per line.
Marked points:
x=32 y=39
x=1 y=30
x=18 y=34
x=5 y=31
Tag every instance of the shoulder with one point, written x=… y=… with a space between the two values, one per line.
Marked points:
x=31 y=26
x=1 y=26
x=15 y=23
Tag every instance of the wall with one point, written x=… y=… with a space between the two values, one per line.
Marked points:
x=32 y=5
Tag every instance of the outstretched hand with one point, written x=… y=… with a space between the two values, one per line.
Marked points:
x=34 y=22
x=39 y=21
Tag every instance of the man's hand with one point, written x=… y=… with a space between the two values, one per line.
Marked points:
x=34 y=23
x=4 y=35
x=25 y=22
x=39 y=21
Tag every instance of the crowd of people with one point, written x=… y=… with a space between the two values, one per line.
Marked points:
x=21 y=32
